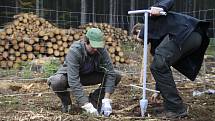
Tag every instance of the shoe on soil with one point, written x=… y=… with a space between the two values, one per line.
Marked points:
x=171 y=115
x=158 y=110
x=66 y=108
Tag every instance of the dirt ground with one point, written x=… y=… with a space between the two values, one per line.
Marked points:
x=34 y=101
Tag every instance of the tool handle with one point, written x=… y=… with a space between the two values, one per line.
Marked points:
x=143 y=11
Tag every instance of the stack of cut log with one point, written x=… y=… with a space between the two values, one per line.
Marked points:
x=29 y=37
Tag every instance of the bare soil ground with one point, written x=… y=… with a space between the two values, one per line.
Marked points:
x=34 y=101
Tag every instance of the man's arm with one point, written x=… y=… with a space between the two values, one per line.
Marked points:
x=110 y=73
x=160 y=6
x=166 y=5
x=73 y=64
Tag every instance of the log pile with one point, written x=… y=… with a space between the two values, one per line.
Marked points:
x=30 y=37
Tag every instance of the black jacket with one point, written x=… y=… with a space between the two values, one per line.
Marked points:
x=178 y=27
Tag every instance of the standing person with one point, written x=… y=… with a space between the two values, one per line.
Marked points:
x=179 y=41
x=87 y=63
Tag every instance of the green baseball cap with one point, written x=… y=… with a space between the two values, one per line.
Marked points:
x=96 y=38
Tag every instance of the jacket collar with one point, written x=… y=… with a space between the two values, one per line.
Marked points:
x=84 y=50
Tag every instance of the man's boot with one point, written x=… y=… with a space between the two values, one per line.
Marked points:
x=179 y=114
x=66 y=102
x=174 y=114
x=66 y=108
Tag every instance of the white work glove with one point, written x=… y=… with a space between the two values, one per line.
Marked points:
x=106 y=108
x=88 y=107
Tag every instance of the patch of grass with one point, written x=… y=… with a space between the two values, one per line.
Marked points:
x=9 y=102
x=26 y=70
x=50 y=67
x=128 y=46
x=7 y=72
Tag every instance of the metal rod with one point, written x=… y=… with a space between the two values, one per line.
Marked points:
x=144 y=11
x=146 y=14
x=146 y=88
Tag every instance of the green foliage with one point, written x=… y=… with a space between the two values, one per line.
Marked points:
x=128 y=46
x=131 y=49
x=211 y=47
x=26 y=69
x=212 y=41
x=51 y=66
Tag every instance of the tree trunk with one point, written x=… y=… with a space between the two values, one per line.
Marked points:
x=132 y=16
x=111 y=13
x=94 y=20
x=83 y=12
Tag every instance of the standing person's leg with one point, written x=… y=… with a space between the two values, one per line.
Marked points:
x=59 y=84
x=97 y=78
x=167 y=54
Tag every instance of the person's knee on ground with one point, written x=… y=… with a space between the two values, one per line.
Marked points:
x=57 y=82
x=59 y=85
